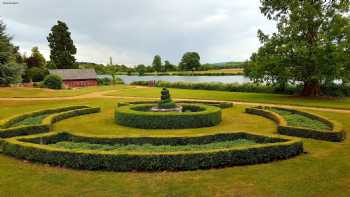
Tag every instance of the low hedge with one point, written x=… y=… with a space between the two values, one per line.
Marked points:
x=227 y=87
x=171 y=161
x=337 y=133
x=206 y=117
x=56 y=114
x=222 y=105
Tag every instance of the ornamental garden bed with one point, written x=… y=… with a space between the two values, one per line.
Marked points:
x=192 y=116
x=40 y=121
x=151 y=153
x=301 y=124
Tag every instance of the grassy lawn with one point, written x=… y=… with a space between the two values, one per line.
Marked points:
x=43 y=93
x=342 y=103
x=323 y=171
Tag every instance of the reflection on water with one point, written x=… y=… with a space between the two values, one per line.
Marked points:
x=195 y=79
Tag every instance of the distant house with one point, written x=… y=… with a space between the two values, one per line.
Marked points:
x=76 y=77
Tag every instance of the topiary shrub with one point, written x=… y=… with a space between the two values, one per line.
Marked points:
x=53 y=82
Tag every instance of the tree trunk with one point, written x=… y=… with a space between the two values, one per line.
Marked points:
x=311 y=88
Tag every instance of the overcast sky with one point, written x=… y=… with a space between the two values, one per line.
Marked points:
x=133 y=31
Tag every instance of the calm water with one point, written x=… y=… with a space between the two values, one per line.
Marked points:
x=194 y=79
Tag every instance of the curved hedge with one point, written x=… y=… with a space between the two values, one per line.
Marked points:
x=54 y=115
x=336 y=134
x=128 y=115
x=275 y=148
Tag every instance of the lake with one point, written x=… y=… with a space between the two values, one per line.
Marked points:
x=194 y=79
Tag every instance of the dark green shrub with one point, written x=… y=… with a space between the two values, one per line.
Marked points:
x=53 y=82
x=132 y=116
x=104 y=81
x=276 y=149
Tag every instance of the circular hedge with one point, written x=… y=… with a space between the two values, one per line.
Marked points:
x=194 y=116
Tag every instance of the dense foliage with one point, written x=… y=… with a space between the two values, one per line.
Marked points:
x=53 y=82
x=312 y=44
x=157 y=63
x=190 y=61
x=36 y=68
x=62 y=49
x=10 y=68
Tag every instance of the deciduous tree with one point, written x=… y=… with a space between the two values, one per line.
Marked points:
x=312 y=44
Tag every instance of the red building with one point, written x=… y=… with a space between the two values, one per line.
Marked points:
x=76 y=77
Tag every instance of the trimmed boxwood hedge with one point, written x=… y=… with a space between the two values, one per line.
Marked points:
x=222 y=105
x=54 y=115
x=336 y=134
x=133 y=116
x=22 y=147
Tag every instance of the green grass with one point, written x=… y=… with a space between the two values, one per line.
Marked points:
x=299 y=120
x=323 y=171
x=31 y=120
x=44 y=93
x=151 y=148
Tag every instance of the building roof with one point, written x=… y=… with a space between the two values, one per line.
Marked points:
x=74 y=74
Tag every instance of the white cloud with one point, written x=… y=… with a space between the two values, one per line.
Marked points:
x=133 y=31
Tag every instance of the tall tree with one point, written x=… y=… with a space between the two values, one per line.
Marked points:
x=141 y=69
x=312 y=44
x=168 y=66
x=190 y=61
x=62 y=47
x=157 y=63
x=10 y=69
x=36 y=59
x=36 y=67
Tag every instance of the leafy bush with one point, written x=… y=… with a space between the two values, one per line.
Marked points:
x=10 y=73
x=336 y=134
x=132 y=116
x=104 y=81
x=53 y=82
x=36 y=74
x=280 y=148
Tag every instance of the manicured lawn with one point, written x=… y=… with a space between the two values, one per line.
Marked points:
x=342 y=103
x=323 y=171
x=43 y=92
